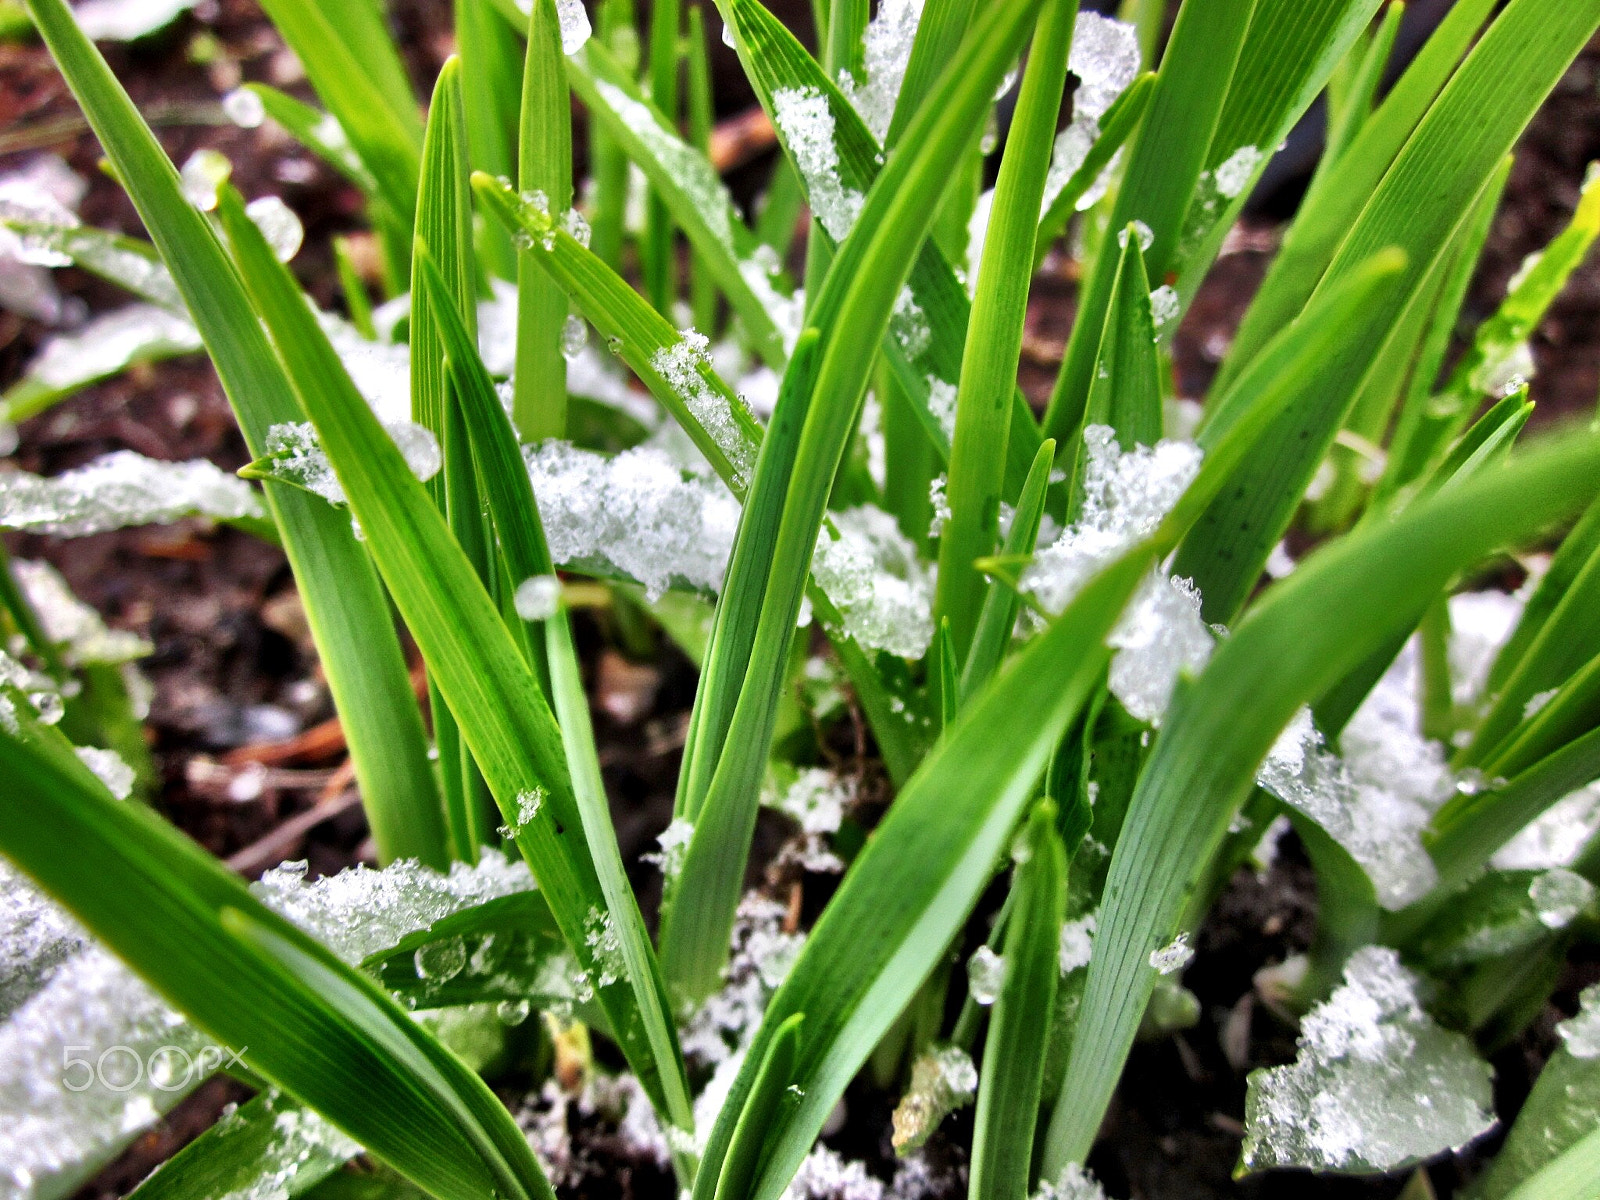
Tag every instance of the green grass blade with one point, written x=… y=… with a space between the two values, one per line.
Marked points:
x=944 y=23
x=994 y=333
x=354 y=66
x=1019 y=1028
x=688 y=186
x=239 y=1152
x=1291 y=49
x=1353 y=87
x=1307 y=632
x=1573 y=710
x=1569 y=1176
x=927 y=365
x=702 y=285
x=657 y=250
x=307 y=1022
x=1332 y=207
x=539 y=400
x=490 y=82
x=846 y=45
x=1577 y=554
x=523 y=549
x=608 y=164
x=356 y=301
x=344 y=602
x=1418 y=208
x=1001 y=602
x=1126 y=392
x=444 y=220
x=1116 y=127
x=887 y=929
x=479 y=668
x=715 y=419
x=1163 y=172
x=769 y=1091
x=854 y=311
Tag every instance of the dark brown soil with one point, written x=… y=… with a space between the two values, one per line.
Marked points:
x=233 y=667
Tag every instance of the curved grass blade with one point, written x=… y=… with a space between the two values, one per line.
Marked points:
x=1570 y=1176
x=887 y=927
x=1163 y=172
x=1299 y=640
x=1353 y=86
x=344 y=602
x=1019 y=1028
x=544 y=164
x=854 y=311
x=1126 y=393
x=304 y=1020
x=490 y=83
x=1418 y=208
x=944 y=23
x=479 y=667
x=1577 y=555
x=523 y=550
x=994 y=333
x=689 y=187
x=845 y=163
x=1338 y=195
x=658 y=263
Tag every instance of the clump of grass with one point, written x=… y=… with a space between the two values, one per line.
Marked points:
x=1085 y=659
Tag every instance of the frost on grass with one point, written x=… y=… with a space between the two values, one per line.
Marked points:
x=1105 y=58
x=1077 y=943
x=361 y=911
x=683 y=368
x=1074 y=1183
x=1158 y=638
x=297 y=457
x=121 y=489
x=1126 y=496
x=44 y=192
x=1164 y=306
x=943 y=1079
x=815 y=801
x=807 y=124
x=1375 y=1086
x=70 y=623
x=303 y=1149
x=36 y=937
x=638 y=515
x=127 y=20
x=110 y=343
x=872 y=574
x=1581 y=1034
x=575 y=28
x=1174 y=956
x=109 y=769
x=1233 y=175
x=886 y=54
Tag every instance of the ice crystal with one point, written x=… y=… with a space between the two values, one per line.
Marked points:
x=109 y=769
x=1234 y=174
x=872 y=575
x=1071 y=151
x=109 y=343
x=1126 y=496
x=938 y=504
x=683 y=367
x=1164 y=305
x=986 y=972
x=672 y=844
x=1582 y=1033
x=1140 y=230
x=807 y=124
x=1105 y=57
x=120 y=489
x=605 y=947
x=278 y=224
x=538 y=598
x=1376 y=1085
x=942 y=1080
x=908 y=324
x=942 y=404
x=244 y=108
x=824 y=1175
x=127 y=20
x=762 y=953
x=638 y=515
x=574 y=336
x=1559 y=896
x=1557 y=836
x=1159 y=637
x=575 y=27
x=886 y=54
x=1074 y=1183
x=70 y=623
x=528 y=804
x=203 y=174
x=1174 y=956
x=299 y=458
x=1077 y=943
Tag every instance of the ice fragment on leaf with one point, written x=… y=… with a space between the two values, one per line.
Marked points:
x=1582 y=1032
x=1376 y=1085
x=1077 y=943
x=119 y=489
x=1074 y=1183
x=244 y=108
x=44 y=192
x=278 y=225
x=986 y=972
x=1159 y=637
x=1140 y=230
x=575 y=28
x=872 y=575
x=682 y=367
x=126 y=20
x=807 y=124
x=1233 y=175
x=1164 y=305
x=1105 y=57
x=538 y=598
x=1174 y=956
x=672 y=844
x=885 y=55
x=203 y=174
x=297 y=457
x=1559 y=896
x=574 y=336
x=109 y=343
x=1557 y=836
x=943 y=1079
x=109 y=769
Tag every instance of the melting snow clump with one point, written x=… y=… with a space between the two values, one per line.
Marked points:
x=986 y=973
x=1077 y=943
x=807 y=124
x=109 y=769
x=1557 y=836
x=1233 y=175
x=1174 y=956
x=1376 y=1085
x=886 y=54
x=278 y=224
x=126 y=20
x=1105 y=58
x=1074 y=1183
x=682 y=367
x=575 y=27
x=1159 y=637
x=119 y=489
x=538 y=598
x=871 y=573
x=1582 y=1032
